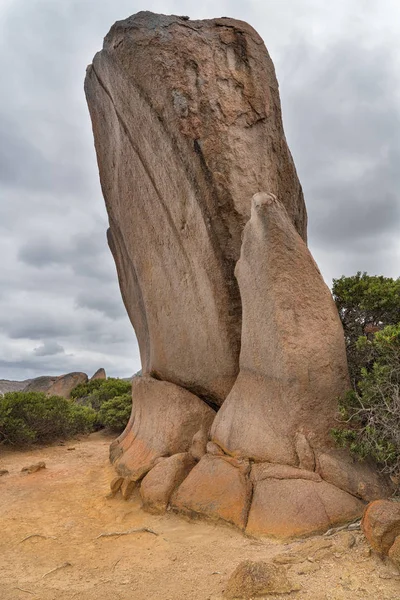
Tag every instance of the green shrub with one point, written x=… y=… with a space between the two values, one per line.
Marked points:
x=84 y=389
x=115 y=413
x=370 y=413
x=364 y=301
x=29 y=417
x=94 y=393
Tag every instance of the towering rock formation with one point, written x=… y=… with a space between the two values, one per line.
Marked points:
x=187 y=126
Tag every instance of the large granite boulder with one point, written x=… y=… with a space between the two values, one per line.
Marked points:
x=56 y=385
x=187 y=127
x=381 y=524
x=64 y=384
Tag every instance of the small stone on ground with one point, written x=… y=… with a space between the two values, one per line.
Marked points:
x=34 y=468
x=254 y=579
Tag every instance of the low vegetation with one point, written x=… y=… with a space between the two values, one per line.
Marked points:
x=32 y=417
x=369 y=308
x=29 y=417
x=114 y=413
x=95 y=393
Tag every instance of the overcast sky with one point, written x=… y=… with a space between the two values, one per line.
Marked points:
x=338 y=65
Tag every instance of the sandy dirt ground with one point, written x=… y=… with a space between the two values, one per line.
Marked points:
x=50 y=546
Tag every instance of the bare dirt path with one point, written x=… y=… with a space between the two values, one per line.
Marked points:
x=66 y=504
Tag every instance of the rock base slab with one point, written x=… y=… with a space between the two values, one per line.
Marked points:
x=215 y=489
x=158 y=485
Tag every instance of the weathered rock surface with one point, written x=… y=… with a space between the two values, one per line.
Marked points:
x=64 y=384
x=304 y=452
x=100 y=374
x=214 y=449
x=358 y=478
x=216 y=489
x=261 y=471
x=158 y=485
x=284 y=401
x=293 y=364
x=47 y=383
x=381 y=524
x=187 y=126
x=294 y=507
x=164 y=419
x=199 y=444
x=258 y=579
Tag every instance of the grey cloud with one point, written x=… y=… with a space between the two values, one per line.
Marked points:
x=39 y=253
x=25 y=165
x=16 y=151
x=342 y=120
x=356 y=215
x=49 y=348
x=86 y=253
x=109 y=305
x=40 y=327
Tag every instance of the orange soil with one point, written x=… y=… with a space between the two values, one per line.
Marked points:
x=66 y=504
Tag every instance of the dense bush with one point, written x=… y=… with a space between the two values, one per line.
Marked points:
x=369 y=308
x=111 y=399
x=29 y=417
x=84 y=389
x=372 y=410
x=115 y=413
x=94 y=393
x=365 y=304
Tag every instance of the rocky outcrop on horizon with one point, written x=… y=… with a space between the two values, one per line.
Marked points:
x=58 y=385
x=64 y=384
x=208 y=232
x=100 y=374
x=41 y=384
